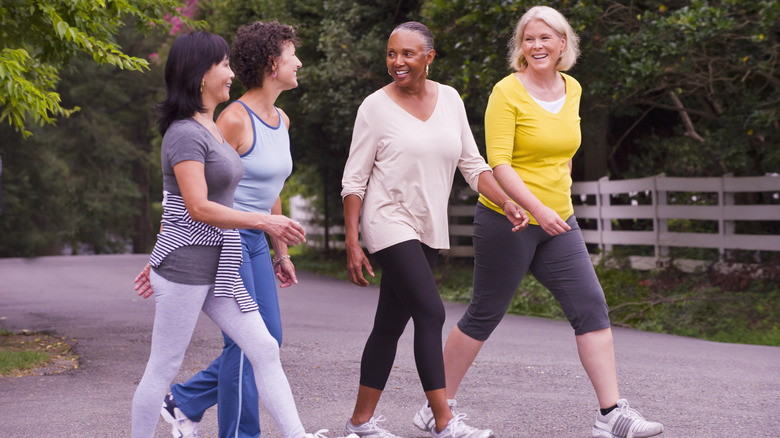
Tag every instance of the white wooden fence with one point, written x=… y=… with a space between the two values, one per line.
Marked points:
x=605 y=202
x=712 y=199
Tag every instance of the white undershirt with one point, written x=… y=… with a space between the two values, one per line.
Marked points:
x=554 y=106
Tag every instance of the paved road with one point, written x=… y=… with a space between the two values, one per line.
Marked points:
x=526 y=383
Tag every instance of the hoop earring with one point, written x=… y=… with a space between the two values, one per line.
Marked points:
x=273 y=75
x=426 y=69
x=202 y=83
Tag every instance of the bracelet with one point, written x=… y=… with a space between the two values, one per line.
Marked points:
x=504 y=203
x=280 y=258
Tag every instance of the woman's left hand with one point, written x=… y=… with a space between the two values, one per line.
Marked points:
x=285 y=271
x=142 y=283
x=516 y=215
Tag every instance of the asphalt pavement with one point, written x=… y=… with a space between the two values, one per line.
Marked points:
x=527 y=381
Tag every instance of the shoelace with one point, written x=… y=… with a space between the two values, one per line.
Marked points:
x=458 y=422
x=630 y=412
x=372 y=423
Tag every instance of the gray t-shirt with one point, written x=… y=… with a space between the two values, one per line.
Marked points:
x=188 y=140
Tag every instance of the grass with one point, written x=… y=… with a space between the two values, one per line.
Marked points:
x=26 y=353
x=12 y=362
x=741 y=306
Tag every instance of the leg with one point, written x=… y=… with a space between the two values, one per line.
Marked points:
x=379 y=352
x=459 y=353
x=229 y=381
x=501 y=259
x=597 y=354
x=409 y=268
x=249 y=332
x=177 y=307
x=563 y=265
x=238 y=406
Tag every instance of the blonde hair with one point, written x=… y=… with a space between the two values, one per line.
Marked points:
x=559 y=24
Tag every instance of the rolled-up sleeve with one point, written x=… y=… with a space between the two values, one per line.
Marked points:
x=470 y=163
x=362 y=154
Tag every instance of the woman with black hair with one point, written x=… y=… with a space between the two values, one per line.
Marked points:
x=194 y=264
x=264 y=60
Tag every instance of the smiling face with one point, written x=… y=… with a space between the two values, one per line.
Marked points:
x=286 y=66
x=216 y=83
x=542 y=46
x=407 y=58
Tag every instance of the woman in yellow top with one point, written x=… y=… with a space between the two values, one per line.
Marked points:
x=532 y=128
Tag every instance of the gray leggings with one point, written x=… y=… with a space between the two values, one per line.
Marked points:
x=560 y=263
x=177 y=307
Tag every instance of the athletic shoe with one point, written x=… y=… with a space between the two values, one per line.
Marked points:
x=369 y=429
x=424 y=420
x=321 y=434
x=456 y=428
x=624 y=422
x=182 y=427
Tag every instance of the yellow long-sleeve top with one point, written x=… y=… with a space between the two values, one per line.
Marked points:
x=535 y=142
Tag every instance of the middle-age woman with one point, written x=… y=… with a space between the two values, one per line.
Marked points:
x=263 y=55
x=409 y=138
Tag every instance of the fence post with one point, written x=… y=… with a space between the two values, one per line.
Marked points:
x=603 y=226
x=724 y=227
x=662 y=224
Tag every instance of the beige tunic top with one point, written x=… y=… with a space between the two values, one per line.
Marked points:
x=402 y=168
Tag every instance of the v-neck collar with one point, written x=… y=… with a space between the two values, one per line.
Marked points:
x=435 y=107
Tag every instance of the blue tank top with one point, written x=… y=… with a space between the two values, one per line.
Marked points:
x=267 y=165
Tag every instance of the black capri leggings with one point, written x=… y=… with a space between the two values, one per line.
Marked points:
x=407 y=290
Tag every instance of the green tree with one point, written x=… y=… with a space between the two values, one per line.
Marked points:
x=686 y=87
x=40 y=37
x=342 y=51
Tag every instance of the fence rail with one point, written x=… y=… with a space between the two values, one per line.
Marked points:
x=657 y=200
x=606 y=202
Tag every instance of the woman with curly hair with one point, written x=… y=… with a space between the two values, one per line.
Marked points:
x=264 y=58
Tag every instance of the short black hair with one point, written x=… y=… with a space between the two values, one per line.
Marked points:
x=191 y=56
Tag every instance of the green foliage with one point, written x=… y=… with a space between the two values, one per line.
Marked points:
x=85 y=183
x=39 y=38
x=692 y=87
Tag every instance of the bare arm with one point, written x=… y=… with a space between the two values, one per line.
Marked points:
x=513 y=184
x=192 y=183
x=489 y=187
x=356 y=258
x=283 y=266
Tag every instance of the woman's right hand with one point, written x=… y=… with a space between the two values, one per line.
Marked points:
x=356 y=261
x=143 y=285
x=550 y=221
x=285 y=229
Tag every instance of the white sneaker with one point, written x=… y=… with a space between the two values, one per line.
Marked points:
x=181 y=426
x=456 y=428
x=424 y=419
x=321 y=434
x=624 y=422
x=369 y=429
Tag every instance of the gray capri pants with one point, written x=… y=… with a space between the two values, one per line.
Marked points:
x=560 y=263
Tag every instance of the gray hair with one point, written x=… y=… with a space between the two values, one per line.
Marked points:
x=419 y=29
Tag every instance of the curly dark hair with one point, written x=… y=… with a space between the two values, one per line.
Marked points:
x=255 y=47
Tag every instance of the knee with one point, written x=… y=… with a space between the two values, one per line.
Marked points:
x=478 y=328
